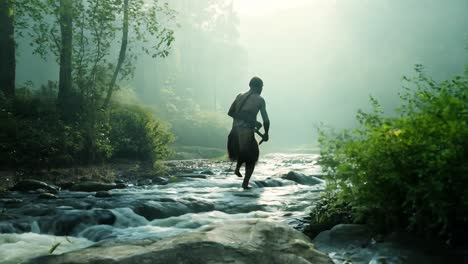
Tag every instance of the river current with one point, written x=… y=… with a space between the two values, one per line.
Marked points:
x=202 y=192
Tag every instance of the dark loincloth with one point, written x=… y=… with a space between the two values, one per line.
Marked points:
x=242 y=145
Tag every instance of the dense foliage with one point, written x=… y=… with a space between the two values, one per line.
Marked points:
x=34 y=137
x=136 y=134
x=409 y=171
x=69 y=122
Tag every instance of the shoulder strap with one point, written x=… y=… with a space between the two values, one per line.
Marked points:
x=243 y=102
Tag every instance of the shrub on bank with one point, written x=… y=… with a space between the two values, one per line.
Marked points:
x=408 y=171
x=33 y=136
x=136 y=134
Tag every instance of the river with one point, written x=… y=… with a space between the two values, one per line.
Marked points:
x=202 y=192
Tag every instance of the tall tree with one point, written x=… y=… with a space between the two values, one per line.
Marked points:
x=123 y=51
x=66 y=49
x=81 y=34
x=7 y=48
x=149 y=33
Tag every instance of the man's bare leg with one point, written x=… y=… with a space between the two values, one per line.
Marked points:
x=237 y=171
x=249 y=169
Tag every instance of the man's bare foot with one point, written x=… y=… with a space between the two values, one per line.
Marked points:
x=246 y=187
x=238 y=174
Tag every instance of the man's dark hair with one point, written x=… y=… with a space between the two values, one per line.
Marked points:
x=256 y=84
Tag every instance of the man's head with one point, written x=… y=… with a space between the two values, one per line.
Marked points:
x=256 y=85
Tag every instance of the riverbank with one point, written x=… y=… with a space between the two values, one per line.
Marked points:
x=106 y=173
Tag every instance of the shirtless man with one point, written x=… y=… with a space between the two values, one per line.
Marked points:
x=242 y=146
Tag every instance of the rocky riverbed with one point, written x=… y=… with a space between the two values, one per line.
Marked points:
x=196 y=194
x=196 y=214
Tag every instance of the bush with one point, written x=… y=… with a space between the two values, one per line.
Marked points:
x=33 y=135
x=410 y=171
x=136 y=134
x=40 y=139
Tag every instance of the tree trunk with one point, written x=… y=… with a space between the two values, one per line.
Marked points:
x=65 y=78
x=7 y=49
x=123 y=50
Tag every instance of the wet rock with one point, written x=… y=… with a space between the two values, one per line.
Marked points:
x=103 y=194
x=192 y=175
x=199 y=206
x=35 y=209
x=119 y=181
x=71 y=222
x=165 y=199
x=48 y=196
x=354 y=243
x=207 y=172
x=344 y=236
x=120 y=186
x=94 y=186
x=158 y=210
x=11 y=201
x=268 y=183
x=238 y=241
x=66 y=185
x=32 y=185
x=301 y=178
x=160 y=180
x=47 y=191
x=8 y=217
x=14 y=227
x=142 y=182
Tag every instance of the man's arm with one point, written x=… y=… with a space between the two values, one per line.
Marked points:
x=266 y=120
x=232 y=109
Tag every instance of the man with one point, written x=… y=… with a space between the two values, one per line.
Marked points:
x=242 y=146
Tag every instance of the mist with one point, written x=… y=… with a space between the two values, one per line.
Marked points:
x=320 y=61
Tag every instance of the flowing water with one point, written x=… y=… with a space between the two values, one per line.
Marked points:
x=203 y=192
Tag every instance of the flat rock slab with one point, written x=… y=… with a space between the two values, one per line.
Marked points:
x=237 y=241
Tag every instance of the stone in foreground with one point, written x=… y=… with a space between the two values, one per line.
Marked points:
x=237 y=241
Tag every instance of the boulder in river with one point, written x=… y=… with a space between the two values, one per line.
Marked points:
x=93 y=186
x=48 y=196
x=157 y=210
x=160 y=180
x=301 y=178
x=143 y=182
x=103 y=194
x=236 y=241
x=32 y=185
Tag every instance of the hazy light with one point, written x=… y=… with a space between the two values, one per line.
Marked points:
x=265 y=7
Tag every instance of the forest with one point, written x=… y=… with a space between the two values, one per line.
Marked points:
x=114 y=130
